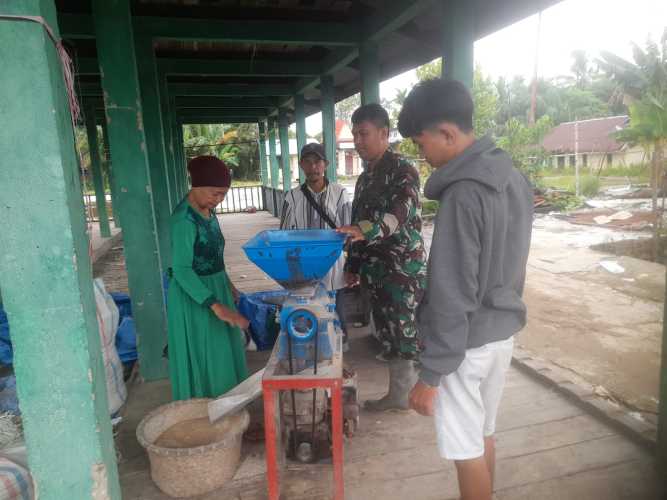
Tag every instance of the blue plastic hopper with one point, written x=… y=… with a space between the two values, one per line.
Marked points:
x=295 y=258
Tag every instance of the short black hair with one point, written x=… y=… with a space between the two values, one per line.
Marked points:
x=373 y=113
x=434 y=101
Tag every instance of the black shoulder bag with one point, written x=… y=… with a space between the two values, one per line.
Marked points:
x=311 y=201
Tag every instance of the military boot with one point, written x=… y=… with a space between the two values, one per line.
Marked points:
x=402 y=378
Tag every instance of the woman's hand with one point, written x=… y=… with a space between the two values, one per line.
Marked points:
x=230 y=316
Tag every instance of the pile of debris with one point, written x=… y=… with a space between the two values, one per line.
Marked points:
x=624 y=220
x=555 y=200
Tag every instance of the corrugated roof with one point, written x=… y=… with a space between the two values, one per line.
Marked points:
x=595 y=136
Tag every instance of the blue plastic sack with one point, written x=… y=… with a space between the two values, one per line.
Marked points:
x=123 y=303
x=9 y=401
x=126 y=336
x=126 y=340
x=263 y=327
x=6 y=351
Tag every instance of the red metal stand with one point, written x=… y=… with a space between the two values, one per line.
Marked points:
x=331 y=377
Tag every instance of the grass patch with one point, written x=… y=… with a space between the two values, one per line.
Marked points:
x=243 y=182
x=430 y=207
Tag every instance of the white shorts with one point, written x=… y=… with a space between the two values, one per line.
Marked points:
x=468 y=400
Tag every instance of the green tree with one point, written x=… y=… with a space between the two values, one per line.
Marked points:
x=524 y=144
x=580 y=69
x=644 y=85
x=484 y=95
x=236 y=145
x=346 y=107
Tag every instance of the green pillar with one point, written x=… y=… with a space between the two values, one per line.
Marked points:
x=284 y=149
x=96 y=169
x=273 y=157
x=458 y=41
x=301 y=140
x=329 y=124
x=46 y=271
x=370 y=73
x=167 y=132
x=113 y=187
x=115 y=52
x=152 y=115
x=173 y=123
x=263 y=160
x=183 y=159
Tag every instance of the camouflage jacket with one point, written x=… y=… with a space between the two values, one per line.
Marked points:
x=387 y=209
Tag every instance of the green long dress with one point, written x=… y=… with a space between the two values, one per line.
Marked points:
x=206 y=355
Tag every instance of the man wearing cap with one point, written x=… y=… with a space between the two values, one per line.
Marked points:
x=318 y=204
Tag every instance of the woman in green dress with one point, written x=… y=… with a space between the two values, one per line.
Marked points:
x=206 y=342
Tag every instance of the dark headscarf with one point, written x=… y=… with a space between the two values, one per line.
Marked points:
x=209 y=171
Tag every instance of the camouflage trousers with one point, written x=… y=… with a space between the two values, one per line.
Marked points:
x=394 y=299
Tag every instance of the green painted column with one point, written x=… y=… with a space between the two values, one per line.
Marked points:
x=113 y=187
x=329 y=124
x=458 y=41
x=273 y=156
x=178 y=175
x=173 y=125
x=115 y=52
x=263 y=160
x=370 y=73
x=96 y=170
x=152 y=115
x=301 y=139
x=284 y=149
x=46 y=272
x=183 y=159
x=167 y=132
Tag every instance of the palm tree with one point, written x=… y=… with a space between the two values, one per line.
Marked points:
x=213 y=139
x=644 y=86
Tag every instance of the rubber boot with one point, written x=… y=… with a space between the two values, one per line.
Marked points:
x=402 y=378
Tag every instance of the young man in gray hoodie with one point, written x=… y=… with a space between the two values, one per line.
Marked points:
x=475 y=278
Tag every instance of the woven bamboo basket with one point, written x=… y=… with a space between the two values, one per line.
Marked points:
x=185 y=472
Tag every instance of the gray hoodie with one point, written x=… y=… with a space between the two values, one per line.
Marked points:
x=477 y=263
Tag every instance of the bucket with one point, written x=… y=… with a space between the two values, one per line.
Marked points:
x=206 y=466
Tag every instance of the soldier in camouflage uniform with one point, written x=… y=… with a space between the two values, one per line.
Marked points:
x=387 y=255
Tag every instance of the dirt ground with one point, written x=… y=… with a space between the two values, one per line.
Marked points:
x=604 y=327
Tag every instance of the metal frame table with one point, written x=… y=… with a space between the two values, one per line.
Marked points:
x=274 y=381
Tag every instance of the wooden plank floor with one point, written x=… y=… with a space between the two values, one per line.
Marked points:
x=548 y=448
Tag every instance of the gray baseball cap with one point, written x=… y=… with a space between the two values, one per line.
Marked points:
x=313 y=148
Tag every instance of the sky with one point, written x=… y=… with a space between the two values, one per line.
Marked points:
x=591 y=25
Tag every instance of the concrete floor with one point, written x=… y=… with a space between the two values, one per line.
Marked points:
x=548 y=448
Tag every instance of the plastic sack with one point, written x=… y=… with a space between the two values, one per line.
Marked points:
x=262 y=316
x=107 y=319
x=15 y=481
x=126 y=337
x=126 y=340
x=6 y=351
x=9 y=401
